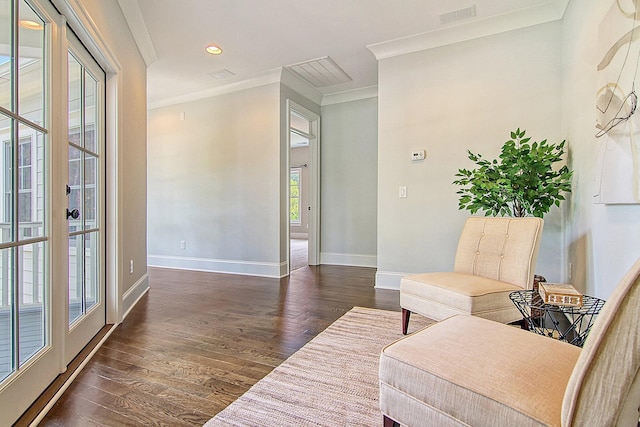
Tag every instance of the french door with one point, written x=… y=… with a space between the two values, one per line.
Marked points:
x=51 y=136
x=84 y=190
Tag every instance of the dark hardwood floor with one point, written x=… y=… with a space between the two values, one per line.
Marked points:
x=197 y=341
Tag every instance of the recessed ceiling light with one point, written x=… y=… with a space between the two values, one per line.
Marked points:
x=213 y=49
x=30 y=25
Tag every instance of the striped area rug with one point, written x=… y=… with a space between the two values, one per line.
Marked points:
x=331 y=381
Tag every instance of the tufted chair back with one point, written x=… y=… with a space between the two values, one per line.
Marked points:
x=500 y=248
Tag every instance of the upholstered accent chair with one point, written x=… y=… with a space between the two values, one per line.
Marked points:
x=468 y=371
x=495 y=256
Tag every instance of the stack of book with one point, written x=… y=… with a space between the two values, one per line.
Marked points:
x=560 y=294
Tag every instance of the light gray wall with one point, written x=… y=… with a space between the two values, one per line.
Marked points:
x=130 y=127
x=349 y=181
x=215 y=182
x=603 y=239
x=446 y=100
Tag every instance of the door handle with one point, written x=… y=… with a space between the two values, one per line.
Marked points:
x=75 y=214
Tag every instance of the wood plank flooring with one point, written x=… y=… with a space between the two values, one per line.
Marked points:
x=197 y=341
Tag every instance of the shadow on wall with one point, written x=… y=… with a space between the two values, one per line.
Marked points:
x=578 y=263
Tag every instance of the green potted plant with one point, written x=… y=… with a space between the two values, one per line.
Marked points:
x=522 y=182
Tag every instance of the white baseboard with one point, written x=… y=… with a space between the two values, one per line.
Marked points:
x=131 y=297
x=262 y=269
x=388 y=279
x=348 y=259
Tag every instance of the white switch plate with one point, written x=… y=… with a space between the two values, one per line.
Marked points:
x=418 y=155
x=402 y=191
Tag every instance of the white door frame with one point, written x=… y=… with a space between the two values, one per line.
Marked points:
x=314 y=187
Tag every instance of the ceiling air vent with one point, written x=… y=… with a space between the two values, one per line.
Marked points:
x=221 y=74
x=320 y=72
x=458 y=15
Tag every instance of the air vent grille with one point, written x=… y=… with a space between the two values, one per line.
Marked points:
x=458 y=15
x=222 y=74
x=320 y=72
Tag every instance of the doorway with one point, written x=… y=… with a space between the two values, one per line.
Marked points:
x=304 y=186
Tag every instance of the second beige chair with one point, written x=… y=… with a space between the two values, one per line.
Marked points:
x=495 y=256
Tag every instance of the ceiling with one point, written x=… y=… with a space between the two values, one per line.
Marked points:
x=260 y=37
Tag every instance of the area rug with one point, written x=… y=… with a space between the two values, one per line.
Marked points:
x=331 y=381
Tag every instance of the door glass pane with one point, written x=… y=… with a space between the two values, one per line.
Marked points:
x=6 y=203
x=90 y=112
x=91 y=269
x=75 y=91
x=75 y=186
x=75 y=278
x=30 y=64
x=30 y=183
x=6 y=313
x=32 y=300
x=5 y=56
x=90 y=210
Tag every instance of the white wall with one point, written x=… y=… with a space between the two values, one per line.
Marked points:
x=349 y=183
x=127 y=127
x=446 y=100
x=215 y=182
x=603 y=239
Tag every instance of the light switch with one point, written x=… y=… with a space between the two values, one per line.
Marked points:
x=403 y=191
x=418 y=155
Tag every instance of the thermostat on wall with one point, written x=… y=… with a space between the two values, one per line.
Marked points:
x=418 y=155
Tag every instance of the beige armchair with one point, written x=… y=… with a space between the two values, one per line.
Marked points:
x=469 y=371
x=495 y=256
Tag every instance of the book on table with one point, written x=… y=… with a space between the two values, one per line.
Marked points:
x=560 y=294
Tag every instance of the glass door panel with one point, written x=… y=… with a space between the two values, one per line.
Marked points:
x=31 y=296
x=84 y=192
x=6 y=64
x=30 y=64
x=27 y=361
x=6 y=318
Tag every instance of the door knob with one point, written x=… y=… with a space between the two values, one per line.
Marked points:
x=75 y=214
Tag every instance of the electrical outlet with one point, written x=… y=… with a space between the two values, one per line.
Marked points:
x=183 y=244
x=130 y=266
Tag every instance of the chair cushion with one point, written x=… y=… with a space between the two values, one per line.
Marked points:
x=456 y=372
x=441 y=295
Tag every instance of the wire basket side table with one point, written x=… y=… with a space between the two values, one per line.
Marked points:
x=565 y=323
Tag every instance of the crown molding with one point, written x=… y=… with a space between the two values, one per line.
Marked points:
x=550 y=11
x=138 y=27
x=350 y=95
x=269 y=77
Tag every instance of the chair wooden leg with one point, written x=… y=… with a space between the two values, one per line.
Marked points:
x=405 y=320
x=388 y=422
